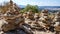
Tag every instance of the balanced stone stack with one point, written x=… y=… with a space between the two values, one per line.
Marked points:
x=56 y=22
x=12 y=17
x=13 y=23
x=30 y=15
x=57 y=19
x=44 y=20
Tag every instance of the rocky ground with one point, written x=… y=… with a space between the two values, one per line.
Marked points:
x=41 y=32
x=35 y=32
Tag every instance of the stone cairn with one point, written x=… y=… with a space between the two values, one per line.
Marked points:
x=44 y=20
x=12 y=20
x=56 y=22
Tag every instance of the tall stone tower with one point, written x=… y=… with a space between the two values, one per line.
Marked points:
x=13 y=8
x=56 y=20
x=11 y=2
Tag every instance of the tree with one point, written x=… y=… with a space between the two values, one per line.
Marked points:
x=30 y=7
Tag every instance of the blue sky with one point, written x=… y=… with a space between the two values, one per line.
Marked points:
x=36 y=2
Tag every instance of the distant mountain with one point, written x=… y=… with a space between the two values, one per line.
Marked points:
x=22 y=6
x=49 y=7
x=44 y=7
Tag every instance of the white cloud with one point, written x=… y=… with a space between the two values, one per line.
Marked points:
x=36 y=2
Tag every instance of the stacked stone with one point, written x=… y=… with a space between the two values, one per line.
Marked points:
x=44 y=20
x=30 y=15
x=36 y=16
x=44 y=17
x=14 y=22
x=56 y=22
x=12 y=17
x=12 y=9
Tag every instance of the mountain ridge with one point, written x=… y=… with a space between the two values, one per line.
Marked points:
x=23 y=6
